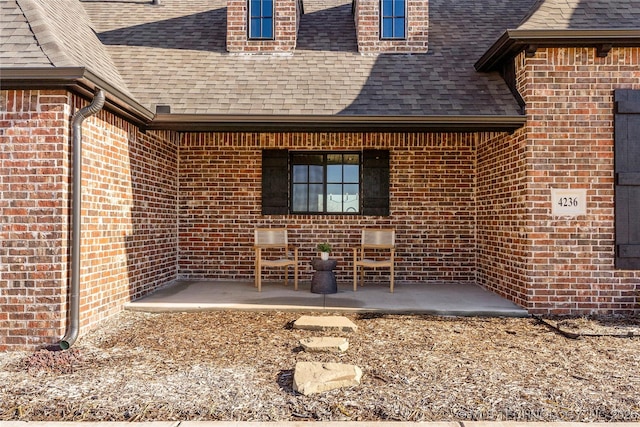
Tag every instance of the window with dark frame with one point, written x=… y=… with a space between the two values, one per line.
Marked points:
x=261 y=19
x=316 y=171
x=325 y=182
x=393 y=19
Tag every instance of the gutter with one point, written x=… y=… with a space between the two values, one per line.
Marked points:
x=310 y=123
x=512 y=42
x=73 y=326
x=78 y=80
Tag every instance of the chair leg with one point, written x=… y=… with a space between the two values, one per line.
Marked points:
x=295 y=276
x=391 y=279
x=286 y=276
x=256 y=270
x=259 y=279
x=355 y=277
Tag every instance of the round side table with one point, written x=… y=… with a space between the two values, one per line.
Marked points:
x=324 y=279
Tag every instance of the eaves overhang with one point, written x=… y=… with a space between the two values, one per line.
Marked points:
x=334 y=123
x=512 y=42
x=78 y=80
x=83 y=82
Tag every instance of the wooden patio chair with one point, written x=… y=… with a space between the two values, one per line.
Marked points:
x=273 y=250
x=376 y=242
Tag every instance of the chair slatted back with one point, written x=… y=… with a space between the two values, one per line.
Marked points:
x=271 y=237
x=378 y=238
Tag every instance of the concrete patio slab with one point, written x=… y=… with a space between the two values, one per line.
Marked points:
x=448 y=299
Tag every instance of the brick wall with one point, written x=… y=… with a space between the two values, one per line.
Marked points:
x=34 y=159
x=129 y=218
x=432 y=205
x=129 y=241
x=286 y=17
x=367 y=21
x=503 y=244
x=568 y=263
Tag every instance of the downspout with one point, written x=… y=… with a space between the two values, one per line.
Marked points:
x=73 y=325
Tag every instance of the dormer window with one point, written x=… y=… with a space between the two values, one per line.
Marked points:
x=262 y=26
x=391 y=26
x=261 y=19
x=393 y=19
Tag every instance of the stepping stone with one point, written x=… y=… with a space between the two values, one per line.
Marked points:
x=325 y=323
x=316 y=377
x=327 y=344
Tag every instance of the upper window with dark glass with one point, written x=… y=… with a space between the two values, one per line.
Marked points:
x=325 y=183
x=393 y=19
x=261 y=19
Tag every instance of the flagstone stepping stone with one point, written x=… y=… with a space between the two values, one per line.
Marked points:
x=325 y=323
x=326 y=344
x=316 y=377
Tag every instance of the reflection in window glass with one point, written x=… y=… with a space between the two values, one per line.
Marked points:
x=316 y=174
x=315 y=198
x=260 y=19
x=351 y=173
x=326 y=182
x=300 y=198
x=393 y=19
x=334 y=173
x=300 y=173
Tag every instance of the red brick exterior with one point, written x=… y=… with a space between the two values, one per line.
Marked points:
x=286 y=19
x=34 y=164
x=367 y=20
x=129 y=218
x=557 y=264
x=472 y=207
x=432 y=193
x=502 y=242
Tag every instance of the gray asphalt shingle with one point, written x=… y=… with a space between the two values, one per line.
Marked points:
x=18 y=46
x=181 y=45
x=583 y=15
x=61 y=33
x=175 y=54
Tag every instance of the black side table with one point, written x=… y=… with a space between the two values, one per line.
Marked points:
x=324 y=279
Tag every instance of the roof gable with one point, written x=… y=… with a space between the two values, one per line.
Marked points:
x=49 y=23
x=582 y=15
x=19 y=47
x=602 y=24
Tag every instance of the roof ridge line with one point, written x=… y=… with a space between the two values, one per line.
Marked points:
x=45 y=36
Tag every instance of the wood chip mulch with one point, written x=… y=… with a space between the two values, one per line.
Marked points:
x=239 y=366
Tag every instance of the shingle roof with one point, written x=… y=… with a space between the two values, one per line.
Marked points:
x=54 y=33
x=174 y=54
x=18 y=47
x=583 y=15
